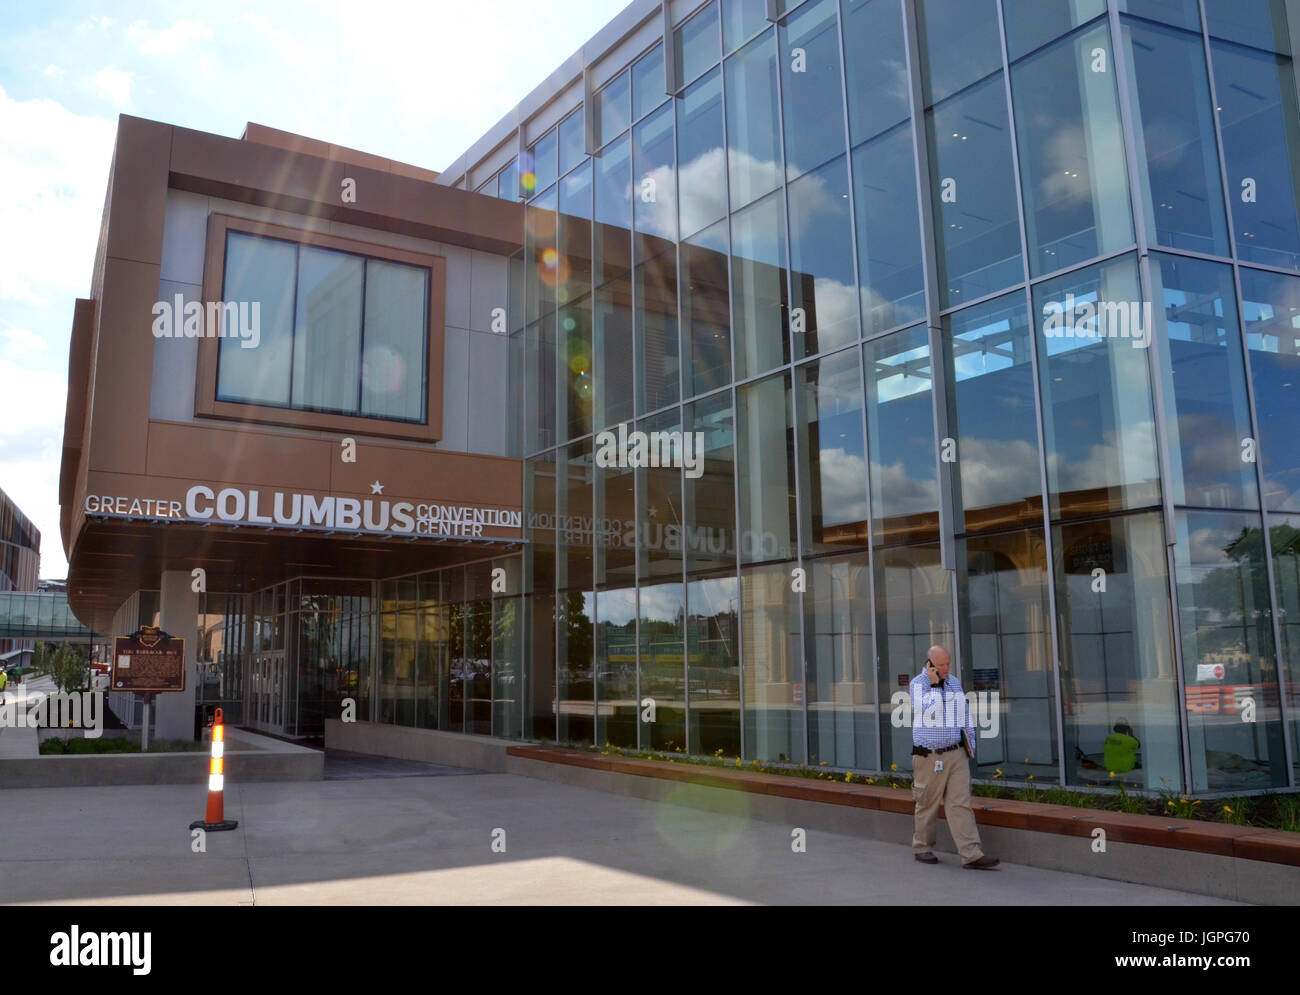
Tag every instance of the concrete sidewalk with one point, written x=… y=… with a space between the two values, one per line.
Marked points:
x=429 y=840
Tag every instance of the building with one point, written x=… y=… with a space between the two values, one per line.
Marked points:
x=20 y=568
x=986 y=314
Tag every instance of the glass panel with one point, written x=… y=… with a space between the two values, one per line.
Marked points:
x=393 y=362
x=1117 y=661
x=832 y=460
x=753 y=135
x=574 y=325
x=991 y=370
x=542 y=711
x=1262 y=23
x=662 y=639
x=759 y=296
x=973 y=189
x=613 y=353
x=875 y=68
x=655 y=204
x=913 y=613
x=765 y=470
x=701 y=176
x=658 y=365
x=709 y=499
x=900 y=418
x=540 y=165
x=262 y=270
x=1284 y=533
x=773 y=663
x=573 y=236
x=713 y=665
x=612 y=108
x=659 y=484
x=458 y=671
x=404 y=706
x=1098 y=420
x=574 y=672
x=1032 y=23
x=507 y=661
x=1270 y=304
x=1006 y=648
x=508 y=182
x=648 y=83
x=573 y=146
x=959 y=45
x=1261 y=135
x=706 y=327
x=842 y=716
x=616 y=512
x=889 y=231
x=1205 y=384
x=616 y=674
x=1182 y=13
x=1178 y=162
x=695 y=44
x=741 y=20
x=539 y=361
x=327 y=340
x=1228 y=656
x=824 y=314
x=543 y=270
x=812 y=101
x=574 y=562
x=613 y=247
x=1071 y=152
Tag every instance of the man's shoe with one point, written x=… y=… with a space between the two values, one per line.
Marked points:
x=983 y=864
x=927 y=858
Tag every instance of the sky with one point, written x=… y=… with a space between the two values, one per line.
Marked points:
x=368 y=76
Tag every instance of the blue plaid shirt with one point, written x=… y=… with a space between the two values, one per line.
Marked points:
x=948 y=710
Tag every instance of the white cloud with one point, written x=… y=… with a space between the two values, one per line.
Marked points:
x=55 y=169
x=114 y=85
x=53 y=70
x=22 y=341
x=167 y=41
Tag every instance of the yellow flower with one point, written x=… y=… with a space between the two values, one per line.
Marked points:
x=824 y=763
x=1227 y=809
x=1170 y=804
x=1112 y=773
x=893 y=766
x=871 y=780
x=737 y=761
x=1031 y=777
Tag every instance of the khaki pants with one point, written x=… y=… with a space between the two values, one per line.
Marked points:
x=951 y=786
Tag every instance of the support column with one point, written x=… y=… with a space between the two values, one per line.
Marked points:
x=179 y=612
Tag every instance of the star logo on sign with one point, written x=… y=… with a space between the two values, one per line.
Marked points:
x=654 y=512
x=376 y=488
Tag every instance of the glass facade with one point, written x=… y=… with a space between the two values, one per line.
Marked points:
x=982 y=321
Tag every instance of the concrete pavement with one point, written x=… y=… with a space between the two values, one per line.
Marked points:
x=22 y=743
x=429 y=840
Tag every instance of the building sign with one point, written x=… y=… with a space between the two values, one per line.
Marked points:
x=294 y=510
x=148 y=660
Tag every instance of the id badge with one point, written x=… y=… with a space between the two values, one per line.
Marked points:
x=938 y=766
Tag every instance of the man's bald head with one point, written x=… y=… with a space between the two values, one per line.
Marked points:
x=941 y=660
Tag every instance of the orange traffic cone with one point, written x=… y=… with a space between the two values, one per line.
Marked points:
x=214 y=820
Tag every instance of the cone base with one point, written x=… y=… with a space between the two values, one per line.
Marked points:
x=213 y=827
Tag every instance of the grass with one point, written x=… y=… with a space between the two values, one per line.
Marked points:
x=78 y=745
x=1268 y=811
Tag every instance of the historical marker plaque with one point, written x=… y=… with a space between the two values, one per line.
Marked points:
x=148 y=660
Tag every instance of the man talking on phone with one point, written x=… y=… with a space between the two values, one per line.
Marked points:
x=943 y=744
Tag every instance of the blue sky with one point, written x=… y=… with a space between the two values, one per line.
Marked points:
x=415 y=82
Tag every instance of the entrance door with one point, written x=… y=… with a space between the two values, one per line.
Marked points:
x=266 y=692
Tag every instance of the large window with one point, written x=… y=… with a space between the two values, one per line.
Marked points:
x=336 y=332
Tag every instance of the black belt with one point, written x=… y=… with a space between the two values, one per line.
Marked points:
x=923 y=751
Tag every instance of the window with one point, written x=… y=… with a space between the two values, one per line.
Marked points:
x=345 y=330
